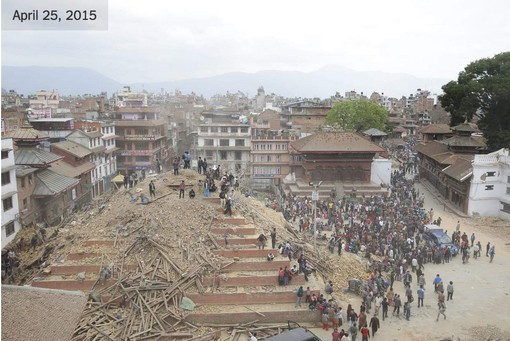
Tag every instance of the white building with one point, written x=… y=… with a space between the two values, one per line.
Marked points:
x=489 y=194
x=10 y=208
x=224 y=140
x=45 y=99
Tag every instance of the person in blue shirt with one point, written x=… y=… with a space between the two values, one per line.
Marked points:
x=436 y=282
x=421 y=296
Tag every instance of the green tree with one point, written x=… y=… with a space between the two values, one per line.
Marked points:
x=482 y=90
x=357 y=115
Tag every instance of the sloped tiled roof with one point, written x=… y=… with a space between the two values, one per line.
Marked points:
x=34 y=156
x=72 y=148
x=49 y=182
x=374 y=132
x=436 y=129
x=465 y=141
x=461 y=169
x=40 y=314
x=335 y=142
x=431 y=148
x=399 y=129
x=27 y=133
x=63 y=168
x=466 y=127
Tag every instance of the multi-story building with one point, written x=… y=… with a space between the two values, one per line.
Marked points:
x=10 y=206
x=129 y=99
x=56 y=128
x=269 y=156
x=224 y=139
x=304 y=116
x=142 y=139
x=45 y=99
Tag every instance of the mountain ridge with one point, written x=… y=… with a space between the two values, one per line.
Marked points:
x=323 y=82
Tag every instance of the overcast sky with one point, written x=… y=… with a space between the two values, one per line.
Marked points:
x=169 y=40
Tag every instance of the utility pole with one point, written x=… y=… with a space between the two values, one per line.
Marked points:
x=315 y=198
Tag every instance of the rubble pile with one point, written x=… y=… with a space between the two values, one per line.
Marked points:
x=488 y=333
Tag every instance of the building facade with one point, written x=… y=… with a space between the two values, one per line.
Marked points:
x=223 y=138
x=10 y=205
x=489 y=194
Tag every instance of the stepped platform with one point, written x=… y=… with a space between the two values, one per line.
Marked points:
x=250 y=281
x=72 y=285
x=263 y=316
x=230 y=221
x=256 y=266
x=212 y=200
x=250 y=253
x=246 y=298
x=236 y=231
x=76 y=269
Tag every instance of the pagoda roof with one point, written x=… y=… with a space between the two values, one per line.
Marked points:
x=374 y=132
x=436 y=129
x=34 y=157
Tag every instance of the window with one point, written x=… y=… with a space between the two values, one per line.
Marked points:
x=234 y=129
x=238 y=156
x=489 y=187
x=508 y=179
x=204 y=130
x=208 y=154
x=491 y=173
x=6 y=178
x=141 y=131
x=9 y=228
x=209 y=142
x=7 y=202
x=214 y=129
x=5 y=154
x=22 y=182
x=224 y=129
x=142 y=146
x=223 y=155
x=244 y=129
x=508 y=190
x=506 y=207
x=224 y=142
x=239 y=143
x=25 y=203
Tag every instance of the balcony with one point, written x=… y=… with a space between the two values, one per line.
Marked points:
x=140 y=137
x=140 y=123
x=149 y=152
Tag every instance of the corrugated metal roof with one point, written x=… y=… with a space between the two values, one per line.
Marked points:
x=49 y=182
x=27 y=133
x=34 y=156
x=25 y=170
x=63 y=168
x=460 y=169
x=336 y=142
x=72 y=148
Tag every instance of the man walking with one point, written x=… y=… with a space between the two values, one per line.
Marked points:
x=384 y=308
x=441 y=310
x=299 y=294
x=375 y=324
x=421 y=296
x=449 y=291
x=407 y=309
x=487 y=248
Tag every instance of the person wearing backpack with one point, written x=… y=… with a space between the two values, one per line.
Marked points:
x=299 y=294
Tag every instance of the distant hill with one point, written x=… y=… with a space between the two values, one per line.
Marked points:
x=66 y=80
x=320 y=83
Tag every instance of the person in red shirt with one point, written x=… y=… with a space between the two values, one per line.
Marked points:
x=365 y=333
x=336 y=335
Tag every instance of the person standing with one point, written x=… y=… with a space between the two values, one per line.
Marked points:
x=492 y=252
x=261 y=241
x=182 y=187
x=421 y=295
x=336 y=335
x=449 y=291
x=353 y=331
x=458 y=226
x=375 y=324
x=397 y=304
x=436 y=282
x=487 y=248
x=228 y=207
x=200 y=164
x=273 y=238
x=472 y=239
x=152 y=189
x=384 y=305
x=299 y=296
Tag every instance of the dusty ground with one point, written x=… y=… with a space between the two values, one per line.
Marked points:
x=480 y=309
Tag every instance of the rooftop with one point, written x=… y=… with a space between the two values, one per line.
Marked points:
x=335 y=142
x=34 y=156
x=49 y=182
x=72 y=148
x=436 y=129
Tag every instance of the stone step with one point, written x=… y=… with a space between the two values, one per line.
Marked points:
x=237 y=231
x=76 y=269
x=246 y=298
x=212 y=200
x=250 y=281
x=237 y=221
x=251 y=253
x=72 y=285
x=85 y=255
x=256 y=266
x=237 y=241
x=276 y=316
x=98 y=243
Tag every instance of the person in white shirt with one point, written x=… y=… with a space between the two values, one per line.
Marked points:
x=253 y=337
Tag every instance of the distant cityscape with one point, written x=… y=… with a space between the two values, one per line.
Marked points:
x=61 y=153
